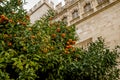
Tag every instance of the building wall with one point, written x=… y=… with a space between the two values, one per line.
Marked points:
x=39 y=13
x=105 y=23
x=40 y=9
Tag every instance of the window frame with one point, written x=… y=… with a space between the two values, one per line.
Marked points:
x=87 y=7
x=75 y=14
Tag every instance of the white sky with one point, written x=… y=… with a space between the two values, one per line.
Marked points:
x=31 y=3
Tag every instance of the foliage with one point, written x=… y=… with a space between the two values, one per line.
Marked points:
x=46 y=50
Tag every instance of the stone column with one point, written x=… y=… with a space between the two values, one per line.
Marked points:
x=94 y=4
x=80 y=9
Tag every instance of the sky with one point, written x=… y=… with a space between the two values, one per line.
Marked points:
x=31 y=3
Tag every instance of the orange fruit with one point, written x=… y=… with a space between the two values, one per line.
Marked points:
x=58 y=29
x=24 y=23
x=2 y=16
x=10 y=20
x=73 y=42
x=70 y=40
x=33 y=37
x=69 y=46
x=63 y=35
x=6 y=18
x=9 y=44
x=54 y=35
x=66 y=49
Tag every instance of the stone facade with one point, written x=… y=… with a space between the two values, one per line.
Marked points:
x=92 y=18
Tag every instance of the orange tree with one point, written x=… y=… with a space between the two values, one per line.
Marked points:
x=45 y=50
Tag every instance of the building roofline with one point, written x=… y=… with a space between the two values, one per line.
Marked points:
x=44 y=3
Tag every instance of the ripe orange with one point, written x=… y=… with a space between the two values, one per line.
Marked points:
x=54 y=35
x=69 y=46
x=6 y=18
x=70 y=40
x=66 y=49
x=24 y=23
x=73 y=42
x=10 y=20
x=58 y=29
x=3 y=18
x=33 y=36
x=9 y=44
x=63 y=35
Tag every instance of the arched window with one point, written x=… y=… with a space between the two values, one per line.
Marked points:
x=75 y=14
x=87 y=7
x=64 y=19
x=102 y=1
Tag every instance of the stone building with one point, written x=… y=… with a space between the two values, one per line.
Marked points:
x=92 y=18
x=40 y=9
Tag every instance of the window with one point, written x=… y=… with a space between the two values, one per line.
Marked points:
x=64 y=19
x=75 y=14
x=102 y=1
x=87 y=7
